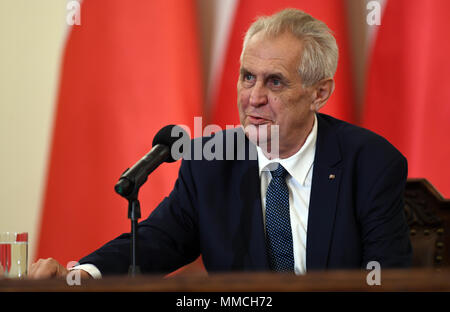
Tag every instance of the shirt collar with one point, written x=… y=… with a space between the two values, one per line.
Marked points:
x=299 y=164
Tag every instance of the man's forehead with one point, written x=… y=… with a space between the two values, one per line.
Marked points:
x=282 y=39
x=268 y=54
x=282 y=48
x=265 y=68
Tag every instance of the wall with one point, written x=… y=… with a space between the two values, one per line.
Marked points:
x=31 y=37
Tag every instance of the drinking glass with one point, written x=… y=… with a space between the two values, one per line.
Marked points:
x=14 y=254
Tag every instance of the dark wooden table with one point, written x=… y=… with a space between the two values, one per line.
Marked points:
x=391 y=281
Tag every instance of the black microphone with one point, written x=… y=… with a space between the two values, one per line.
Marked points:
x=133 y=178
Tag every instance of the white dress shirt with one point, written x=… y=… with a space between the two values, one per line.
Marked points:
x=89 y=268
x=300 y=168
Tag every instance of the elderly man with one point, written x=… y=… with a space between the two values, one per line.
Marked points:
x=331 y=198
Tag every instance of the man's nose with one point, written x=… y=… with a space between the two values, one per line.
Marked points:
x=258 y=95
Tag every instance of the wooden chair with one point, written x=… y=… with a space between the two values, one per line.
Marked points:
x=428 y=216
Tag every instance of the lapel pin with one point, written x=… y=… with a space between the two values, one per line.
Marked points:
x=331 y=176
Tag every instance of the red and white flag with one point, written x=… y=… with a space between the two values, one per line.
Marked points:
x=129 y=69
x=408 y=94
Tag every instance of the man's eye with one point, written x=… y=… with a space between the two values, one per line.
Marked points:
x=248 y=77
x=276 y=82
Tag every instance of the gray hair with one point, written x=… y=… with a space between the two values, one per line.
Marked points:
x=320 y=50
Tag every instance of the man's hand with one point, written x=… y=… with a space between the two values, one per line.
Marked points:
x=50 y=268
x=47 y=268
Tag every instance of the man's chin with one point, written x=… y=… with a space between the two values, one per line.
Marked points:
x=257 y=133
x=265 y=135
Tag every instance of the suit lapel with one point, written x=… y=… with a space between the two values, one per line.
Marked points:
x=324 y=195
x=253 y=255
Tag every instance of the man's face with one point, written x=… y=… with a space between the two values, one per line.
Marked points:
x=270 y=90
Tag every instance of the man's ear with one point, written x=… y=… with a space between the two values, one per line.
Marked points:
x=321 y=93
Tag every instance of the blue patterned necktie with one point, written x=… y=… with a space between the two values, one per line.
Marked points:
x=278 y=223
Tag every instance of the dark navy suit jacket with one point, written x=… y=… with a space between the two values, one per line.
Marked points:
x=215 y=210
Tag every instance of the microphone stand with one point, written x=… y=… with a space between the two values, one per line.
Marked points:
x=128 y=187
x=134 y=213
x=133 y=178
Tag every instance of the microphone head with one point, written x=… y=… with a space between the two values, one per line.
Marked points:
x=167 y=136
